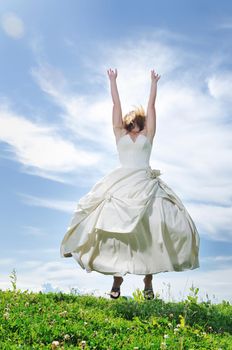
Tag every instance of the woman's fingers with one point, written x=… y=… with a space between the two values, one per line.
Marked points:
x=154 y=75
x=111 y=70
x=112 y=73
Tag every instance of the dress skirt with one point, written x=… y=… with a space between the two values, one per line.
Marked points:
x=132 y=222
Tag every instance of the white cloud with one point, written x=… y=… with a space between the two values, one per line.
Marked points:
x=220 y=85
x=213 y=221
x=224 y=258
x=215 y=283
x=88 y=119
x=64 y=206
x=36 y=252
x=219 y=258
x=6 y=261
x=40 y=148
x=13 y=25
x=33 y=231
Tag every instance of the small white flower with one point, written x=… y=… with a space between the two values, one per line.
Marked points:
x=6 y=315
x=83 y=343
x=166 y=336
x=55 y=344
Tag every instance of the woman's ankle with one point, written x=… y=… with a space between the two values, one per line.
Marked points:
x=117 y=281
x=148 y=281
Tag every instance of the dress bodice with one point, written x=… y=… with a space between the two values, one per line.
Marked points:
x=134 y=154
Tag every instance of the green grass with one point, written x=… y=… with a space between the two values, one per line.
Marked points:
x=31 y=320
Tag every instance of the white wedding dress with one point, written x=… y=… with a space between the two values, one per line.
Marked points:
x=131 y=221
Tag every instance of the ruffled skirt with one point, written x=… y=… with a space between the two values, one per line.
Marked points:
x=131 y=221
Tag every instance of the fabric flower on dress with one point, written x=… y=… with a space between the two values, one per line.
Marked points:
x=108 y=196
x=153 y=173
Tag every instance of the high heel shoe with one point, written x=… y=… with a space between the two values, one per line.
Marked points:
x=148 y=293
x=116 y=290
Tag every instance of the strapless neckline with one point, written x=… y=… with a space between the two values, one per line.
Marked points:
x=136 y=138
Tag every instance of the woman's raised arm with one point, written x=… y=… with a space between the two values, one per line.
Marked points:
x=151 y=113
x=117 y=110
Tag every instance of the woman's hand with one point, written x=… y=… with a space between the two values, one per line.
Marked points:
x=153 y=91
x=154 y=77
x=111 y=74
x=114 y=89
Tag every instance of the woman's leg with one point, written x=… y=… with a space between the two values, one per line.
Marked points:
x=148 y=289
x=117 y=283
x=148 y=281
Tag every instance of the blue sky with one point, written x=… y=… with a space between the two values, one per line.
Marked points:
x=56 y=137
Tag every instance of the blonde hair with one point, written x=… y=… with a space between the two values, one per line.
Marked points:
x=135 y=116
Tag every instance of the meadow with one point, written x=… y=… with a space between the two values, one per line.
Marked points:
x=51 y=320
